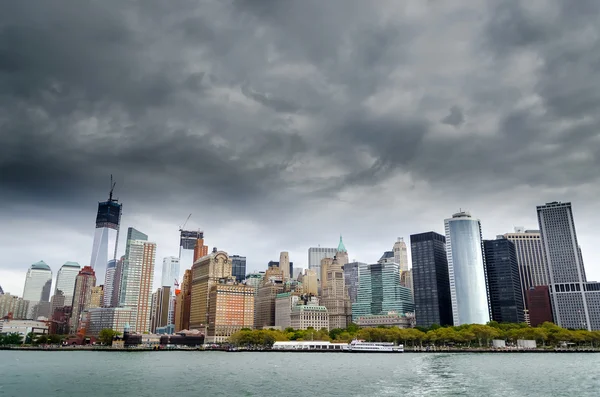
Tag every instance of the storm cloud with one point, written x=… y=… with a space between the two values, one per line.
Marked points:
x=281 y=124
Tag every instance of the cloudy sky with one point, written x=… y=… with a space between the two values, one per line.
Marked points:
x=282 y=124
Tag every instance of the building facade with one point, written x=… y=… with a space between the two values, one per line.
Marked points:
x=309 y=282
x=392 y=319
x=334 y=295
x=13 y=306
x=137 y=279
x=238 y=267
x=266 y=295
x=316 y=254
x=310 y=316
x=97 y=297
x=351 y=278
x=231 y=308
x=206 y=272
x=106 y=236
x=38 y=282
x=170 y=272
x=401 y=254
x=540 y=307
x=573 y=298
x=184 y=302
x=504 y=282
x=284 y=264
x=160 y=312
x=466 y=270
x=65 y=281
x=380 y=292
x=433 y=304
x=85 y=281
x=115 y=318
x=109 y=282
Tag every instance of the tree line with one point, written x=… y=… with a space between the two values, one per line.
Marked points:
x=464 y=336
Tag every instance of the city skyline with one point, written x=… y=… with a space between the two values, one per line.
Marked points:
x=280 y=127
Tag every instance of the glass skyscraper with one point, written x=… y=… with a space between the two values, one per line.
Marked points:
x=238 y=267
x=430 y=279
x=380 y=292
x=316 y=254
x=106 y=237
x=351 y=278
x=466 y=270
x=504 y=284
x=38 y=282
x=65 y=281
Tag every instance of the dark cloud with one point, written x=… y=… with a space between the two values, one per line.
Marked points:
x=292 y=122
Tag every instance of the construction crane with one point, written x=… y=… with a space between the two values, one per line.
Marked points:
x=185 y=223
x=112 y=187
x=177 y=289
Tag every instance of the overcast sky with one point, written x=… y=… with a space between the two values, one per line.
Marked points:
x=282 y=124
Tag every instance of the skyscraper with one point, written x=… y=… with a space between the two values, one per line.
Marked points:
x=85 y=281
x=106 y=236
x=433 y=304
x=315 y=255
x=351 y=278
x=266 y=294
x=466 y=270
x=533 y=271
x=170 y=272
x=380 y=292
x=109 y=282
x=334 y=295
x=65 y=281
x=284 y=264
x=504 y=284
x=238 y=267
x=575 y=302
x=188 y=239
x=239 y=301
x=161 y=308
x=400 y=254
x=137 y=277
x=309 y=282
x=38 y=282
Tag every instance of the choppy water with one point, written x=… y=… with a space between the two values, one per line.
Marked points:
x=182 y=374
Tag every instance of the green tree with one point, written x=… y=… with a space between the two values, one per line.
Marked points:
x=30 y=338
x=106 y=336
x=11 y=339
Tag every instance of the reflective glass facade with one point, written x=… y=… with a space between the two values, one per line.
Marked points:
x=466 y=270
x=238 y=267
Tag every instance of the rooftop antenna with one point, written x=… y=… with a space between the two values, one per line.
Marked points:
x=112 y=187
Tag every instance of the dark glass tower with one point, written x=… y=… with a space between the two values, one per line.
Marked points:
x=238 y=267
x=430 y=278
x=504 y=283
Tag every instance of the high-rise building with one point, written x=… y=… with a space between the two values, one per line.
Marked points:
x=284 y=264
x=38 y=282
x=400 y=254
x=380 y=292
x=13 y=306
x=575 y=302
x=334 y=295
x=387 y=257
x=341 y=254
x=188 y=239
x=406 y=280
x=116 y=285
x=136 y=279
x=183 y=302
x=466 y=270
x=161 y=303
x=430 y=278
x=65 y=281
x=530 y=256
x=540 y=307
x=297 y=272
x=504 y=284
x=97 y=297
x=170 y=272
x=206 y=272
x=85 y=281
x=266 y=294
x=231 y=308
x=316 y=254
x=115 y=318
x=351 y=278
x=238 y=267
x=324 y=268
x=106 y=237
x=109 y=282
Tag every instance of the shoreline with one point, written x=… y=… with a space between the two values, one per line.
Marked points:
x=456 y=351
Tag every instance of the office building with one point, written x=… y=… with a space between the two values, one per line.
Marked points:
x=310 y=316
x=65 y=281
x=23 y=327
x=466 y=270
x=351 y=278
x=170 y=272
x=324 y=268
x=13 y=307
x=106 y=236
x=231 y=308
x=160 y=312
x=97 y=297
x=575 y=302
x=85 y=281
x=254 y=280
x=334 y=295
x=533 y=270
x=387 y=257
x=392 y=319
x=406 y=280
x=401 y=254
x=316 y=254
x=183 y=302
x=238 y=267
x=206 y=272
x=38 y=282
x=187 y=245
x=59 y=301
x=380 y=292
x=115 y=318
x=430 y=278
x=109 y=282
x=540 y=307
x=309 y=282
x=266 y=295
x=504 y=283
x=284 y=264
x=116 y=286
x=137 y=278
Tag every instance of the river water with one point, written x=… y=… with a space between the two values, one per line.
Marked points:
x=183 y=374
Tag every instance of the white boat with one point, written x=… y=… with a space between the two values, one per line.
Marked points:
x=360 y=346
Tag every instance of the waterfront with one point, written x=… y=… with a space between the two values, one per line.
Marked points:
x=183 y=374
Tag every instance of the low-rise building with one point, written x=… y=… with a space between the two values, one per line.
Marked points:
x=392 y=319
x=23 y=327
x=115 y=318
x=309 y=316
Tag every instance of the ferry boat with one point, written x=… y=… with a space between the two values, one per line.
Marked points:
x=360 y=346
